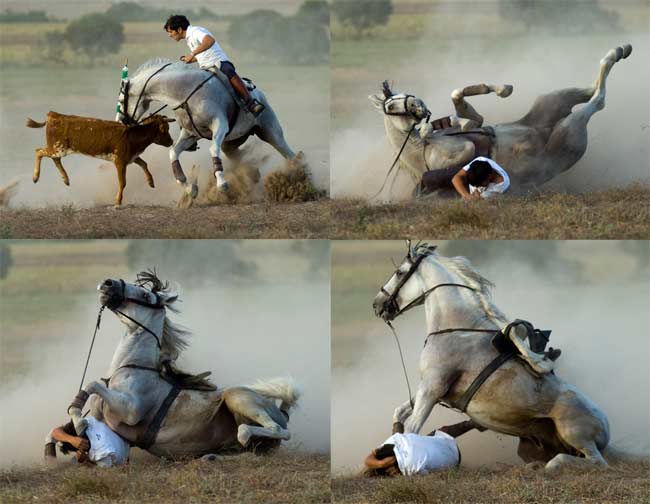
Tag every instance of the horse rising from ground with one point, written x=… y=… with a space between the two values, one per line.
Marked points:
x=547 y=141
x=198 y=422
x=204 y=109
x=556 y=423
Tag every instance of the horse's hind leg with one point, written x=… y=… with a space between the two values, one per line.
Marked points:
x=463 y=108
x=271 y=133
x=253 y=407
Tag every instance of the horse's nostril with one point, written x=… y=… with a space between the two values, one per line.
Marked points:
x=108 y=283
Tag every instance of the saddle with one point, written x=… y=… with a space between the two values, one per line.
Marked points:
x=537 y=341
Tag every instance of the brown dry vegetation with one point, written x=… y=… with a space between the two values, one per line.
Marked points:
x=281 y=477
x=627 y=483
x=611 y=214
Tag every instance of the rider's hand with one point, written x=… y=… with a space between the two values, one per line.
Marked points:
x=189 y=58
x=83 y=444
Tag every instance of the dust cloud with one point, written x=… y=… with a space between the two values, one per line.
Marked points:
x=240 y=331
x=599 y=322
x=618 y=152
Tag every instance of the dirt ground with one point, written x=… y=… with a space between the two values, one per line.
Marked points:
x=611 y=214
x=629 y=483
x=282 y=477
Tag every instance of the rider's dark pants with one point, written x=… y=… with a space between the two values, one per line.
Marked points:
x=433 y=180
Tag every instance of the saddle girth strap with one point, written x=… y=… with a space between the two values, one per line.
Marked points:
x=149 y=437
x=495 y=364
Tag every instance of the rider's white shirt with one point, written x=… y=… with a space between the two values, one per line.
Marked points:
x=417 y=454
x=491 y=189
x=213 y=56
x=106 y=447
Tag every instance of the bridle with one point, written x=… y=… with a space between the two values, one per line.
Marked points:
x=124 y=89
x=113 y=303
x=400 y=109
x=391 y=302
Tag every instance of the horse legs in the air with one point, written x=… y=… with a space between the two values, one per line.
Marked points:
x=570 y=134
x=465 y=111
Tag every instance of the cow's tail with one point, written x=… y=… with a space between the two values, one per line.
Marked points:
x=33 y=124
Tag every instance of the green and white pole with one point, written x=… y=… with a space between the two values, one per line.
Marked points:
x=125 y=77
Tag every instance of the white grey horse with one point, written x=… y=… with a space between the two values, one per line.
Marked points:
x=556 y=422
x=547 y=141
x=203 y=109
x=198 y=422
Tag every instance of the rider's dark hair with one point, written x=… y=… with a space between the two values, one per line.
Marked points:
x=175 y=22
x=385 y=451
x=479 y=173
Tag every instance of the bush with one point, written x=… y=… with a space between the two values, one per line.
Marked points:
x=302 y=39
x=362 y=14
x=566 y=17
x=33 y=16
x=95 y=34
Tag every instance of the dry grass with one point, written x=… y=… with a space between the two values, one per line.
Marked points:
x=627 y=483
x=259 y=220
x=611 y=214
x=291 y=184
x=282 y=477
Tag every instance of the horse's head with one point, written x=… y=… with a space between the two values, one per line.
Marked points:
x=403 y=290
x=400 y=106
x=140 y=304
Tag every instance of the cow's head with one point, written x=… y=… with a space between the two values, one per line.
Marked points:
x=161 y=125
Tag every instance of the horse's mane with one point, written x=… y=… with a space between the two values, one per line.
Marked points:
x=462 y=267
x=175 y=338
x=156 y=63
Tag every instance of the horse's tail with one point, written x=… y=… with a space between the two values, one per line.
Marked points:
x=33 y=124
x=283 y=388
x=616 y=455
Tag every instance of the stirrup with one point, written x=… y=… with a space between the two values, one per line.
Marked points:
x=255 y=107
x=553 y=353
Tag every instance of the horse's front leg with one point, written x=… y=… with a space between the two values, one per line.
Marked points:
x=185 y=140
x=429 y=393
x=128 y=408
x=219 y=132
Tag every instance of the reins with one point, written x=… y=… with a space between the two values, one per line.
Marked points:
x=99 y=321
x=408 y=135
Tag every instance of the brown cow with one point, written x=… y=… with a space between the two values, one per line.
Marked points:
x=110 y=140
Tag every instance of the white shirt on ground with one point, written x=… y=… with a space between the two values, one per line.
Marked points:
x=491 y=189
x=417 y=454
x=210 y=57
x=107 y=449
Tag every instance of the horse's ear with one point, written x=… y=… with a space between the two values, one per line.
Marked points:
x=377 y=101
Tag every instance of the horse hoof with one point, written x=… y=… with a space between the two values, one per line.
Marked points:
x=504 y=91
x=194 y=191
x=224 y=187
x=627 y=50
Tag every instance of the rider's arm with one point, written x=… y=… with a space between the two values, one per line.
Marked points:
x=461 y=185
x=206 y=44
x=59 y=434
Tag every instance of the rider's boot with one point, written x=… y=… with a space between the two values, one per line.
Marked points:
x=538 y=362
x=222 y=184
x=252 y=105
